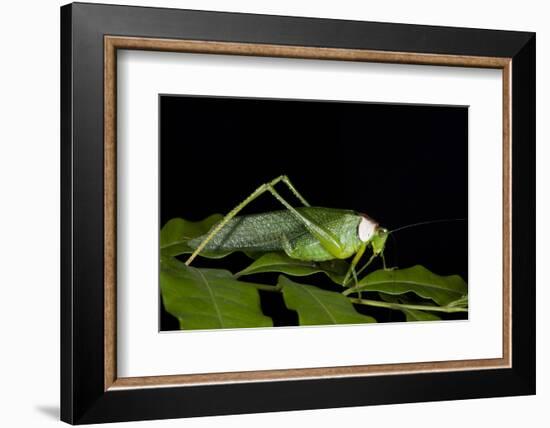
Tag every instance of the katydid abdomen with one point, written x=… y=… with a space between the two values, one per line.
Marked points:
x=282 y=231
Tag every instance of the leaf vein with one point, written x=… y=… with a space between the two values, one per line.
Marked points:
x=211 y=296
x=320 y=304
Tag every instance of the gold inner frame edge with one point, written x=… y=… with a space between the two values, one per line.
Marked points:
x=113 y=43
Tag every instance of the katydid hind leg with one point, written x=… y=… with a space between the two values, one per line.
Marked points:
x=293 y=189
x=325 y=237
x=214 y=231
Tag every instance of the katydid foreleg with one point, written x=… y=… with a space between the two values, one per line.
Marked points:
x=360 y=271
x=354 y=261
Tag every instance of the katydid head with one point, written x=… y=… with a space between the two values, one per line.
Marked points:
x=379 y=240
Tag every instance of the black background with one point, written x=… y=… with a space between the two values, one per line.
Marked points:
x=398 y=163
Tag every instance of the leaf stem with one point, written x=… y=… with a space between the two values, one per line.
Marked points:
x=399 y=306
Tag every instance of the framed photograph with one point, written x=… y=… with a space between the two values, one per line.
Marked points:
x=320 y=213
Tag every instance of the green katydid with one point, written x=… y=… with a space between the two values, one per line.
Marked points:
x=304 y=233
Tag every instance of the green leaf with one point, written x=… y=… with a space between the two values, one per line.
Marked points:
x=280 y=262
x=209 y=298
x=417 y=279
x=415 y=315
x=319 y=307
x=410 y=314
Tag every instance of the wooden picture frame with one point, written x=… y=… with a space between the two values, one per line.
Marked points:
x=91 y=390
